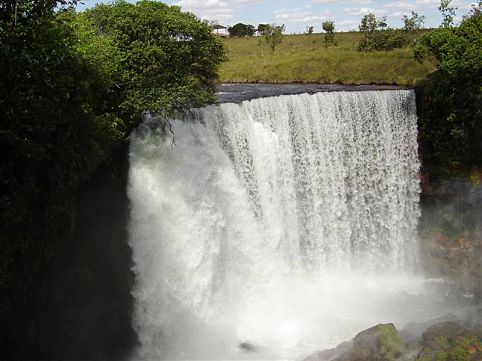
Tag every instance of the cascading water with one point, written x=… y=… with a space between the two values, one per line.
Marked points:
x=283 y=224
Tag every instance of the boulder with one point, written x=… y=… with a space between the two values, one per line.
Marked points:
x=449 y=341
x=248 y=347
x=448 y=330
x=379 y=343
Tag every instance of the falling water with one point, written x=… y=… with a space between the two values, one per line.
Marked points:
x=283 y=224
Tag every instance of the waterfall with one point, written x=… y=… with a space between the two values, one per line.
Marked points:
x=280 y=224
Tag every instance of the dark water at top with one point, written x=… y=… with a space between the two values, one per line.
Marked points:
x=235 y=93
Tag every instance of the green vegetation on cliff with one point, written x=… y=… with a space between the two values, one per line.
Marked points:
x=450 y=101
x=72 y=87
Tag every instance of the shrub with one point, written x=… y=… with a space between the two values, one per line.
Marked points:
x=273 y=35
x=329 y=28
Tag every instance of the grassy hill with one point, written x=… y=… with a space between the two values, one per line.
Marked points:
x=304 y=58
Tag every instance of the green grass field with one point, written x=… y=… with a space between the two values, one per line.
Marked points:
x=304 y=58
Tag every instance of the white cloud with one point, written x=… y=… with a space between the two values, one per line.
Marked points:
x=220 y=10
x=301 y=16
x=342 y=1
x=363 y=11
x=404 y=5
x=408 y=6
x=347 y=25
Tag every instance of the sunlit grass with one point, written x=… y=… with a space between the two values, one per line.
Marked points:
x=304 y=58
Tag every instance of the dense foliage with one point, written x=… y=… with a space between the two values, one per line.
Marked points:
x=168 y=59
x=261 y=29
x=329 y=28
x=241 y=30
x=72 y=87
x=51 y=137
x=451 y=102
x=378 y=36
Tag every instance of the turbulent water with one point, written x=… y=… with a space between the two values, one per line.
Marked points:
x=275 y=227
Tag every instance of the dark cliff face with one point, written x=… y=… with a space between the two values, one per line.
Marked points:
x=450 y=230
x=89 y=312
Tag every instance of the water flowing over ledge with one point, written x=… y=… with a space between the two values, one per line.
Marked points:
x=286 y=222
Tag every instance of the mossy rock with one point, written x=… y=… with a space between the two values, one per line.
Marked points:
x=448 y=341
x=379 y=343
x=464 y=348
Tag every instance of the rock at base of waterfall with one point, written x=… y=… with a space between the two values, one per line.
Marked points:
x=378 y=343
x=450 y=341
x=247 y=346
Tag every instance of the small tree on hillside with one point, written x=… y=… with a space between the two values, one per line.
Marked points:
x=262 y=28
x=375 y=35
x=309 y=30
x=241 y=30
x=370 y=23
x=274 y=35
x=414 y=22
x=412 y=25
x=329 y=28
x=448 y=13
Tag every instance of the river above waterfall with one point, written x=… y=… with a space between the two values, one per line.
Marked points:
x=278 y=226
x=238 y=92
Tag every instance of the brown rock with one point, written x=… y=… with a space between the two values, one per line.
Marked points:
x=448 y=330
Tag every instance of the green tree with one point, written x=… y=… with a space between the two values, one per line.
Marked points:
x=370 y=23
x=412 y=25
x=329 y=28
x=309 y=30
x=261 y=29
x=55 y=134
x=451 y=101
x=378 y=36
x=448 y=13
x=169 y=61
x=241 y=30
x=273 y=35
x=413 y=22
x=369 y=26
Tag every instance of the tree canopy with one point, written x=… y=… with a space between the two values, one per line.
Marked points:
x=329 y=28
x=413 y=22
x=273 y=35
x=169 y=59
x=261 y=29
x=451 y=103
x=377 y=35
x=241 y=30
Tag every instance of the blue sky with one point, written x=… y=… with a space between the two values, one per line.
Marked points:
x=297 y=15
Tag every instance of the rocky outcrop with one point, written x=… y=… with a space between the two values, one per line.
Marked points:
x=88 y=316
x=451 y=234
x=449 y=341
x=379 y=343
x=441 y=341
